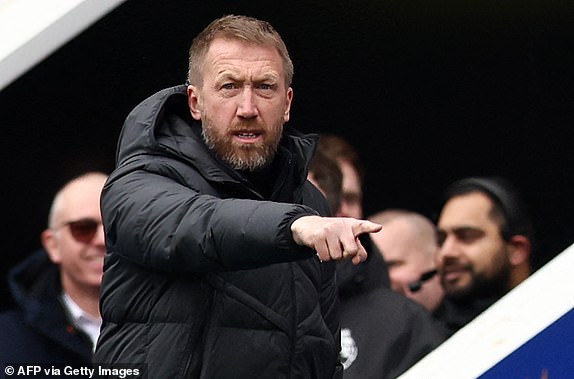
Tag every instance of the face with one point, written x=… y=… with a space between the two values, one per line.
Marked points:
x=473 y=257
x=408 y=257
x=243 y=102
x=80 y=257
x=351 y=201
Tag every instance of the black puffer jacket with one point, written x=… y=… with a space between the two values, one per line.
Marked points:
x=202 y=277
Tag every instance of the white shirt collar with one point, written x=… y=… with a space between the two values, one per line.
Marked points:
x=82 y=320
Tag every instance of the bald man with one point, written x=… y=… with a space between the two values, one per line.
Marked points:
x=409 y=245
x=57 y=319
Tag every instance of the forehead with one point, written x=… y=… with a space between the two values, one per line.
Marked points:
x=81 y=198
x=394 y=238
x=350 y=176
x=235 y=53
x=470 y=209
x=400 y=240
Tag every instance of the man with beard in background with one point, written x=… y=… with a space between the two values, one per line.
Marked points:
x=485 y=238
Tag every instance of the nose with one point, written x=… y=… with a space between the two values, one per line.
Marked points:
x=99 y=238
x=448 y=248
x=247 y=107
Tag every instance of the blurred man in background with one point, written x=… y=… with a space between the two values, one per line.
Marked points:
x=409 y=246
x=485 y=237
x=57 y=319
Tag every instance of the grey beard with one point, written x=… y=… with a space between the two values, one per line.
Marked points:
x=255 y=161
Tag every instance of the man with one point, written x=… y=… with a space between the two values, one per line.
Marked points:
x=383 y=333
x=337 y=148
x=374 y=271
x=58 y=319
x=219 y=263
x=485 y=239
x=408 y=243
x=325 y=174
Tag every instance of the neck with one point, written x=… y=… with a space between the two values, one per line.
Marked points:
x=87 y=297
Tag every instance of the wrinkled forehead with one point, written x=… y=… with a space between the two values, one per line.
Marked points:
x=236 y=50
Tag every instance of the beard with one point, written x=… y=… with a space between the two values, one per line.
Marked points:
x=243 y=156
x=485 y=285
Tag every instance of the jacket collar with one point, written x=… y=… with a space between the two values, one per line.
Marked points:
x=162 y=124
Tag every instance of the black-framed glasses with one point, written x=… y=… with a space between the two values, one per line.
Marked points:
x=83 y=230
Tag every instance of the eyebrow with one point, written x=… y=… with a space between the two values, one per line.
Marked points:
x=465 y=228
x=236 y=76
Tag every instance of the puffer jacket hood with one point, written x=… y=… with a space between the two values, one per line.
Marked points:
x=202 y=276
x=160 y=125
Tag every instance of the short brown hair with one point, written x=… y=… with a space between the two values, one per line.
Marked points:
x=244 y=28
x=336 y=147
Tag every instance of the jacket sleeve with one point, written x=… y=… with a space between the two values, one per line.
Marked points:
x=329 y=301
x=157 y=222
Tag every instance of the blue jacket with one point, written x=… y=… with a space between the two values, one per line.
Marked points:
x=38 y=330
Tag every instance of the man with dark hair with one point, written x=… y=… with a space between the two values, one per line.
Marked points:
x=485 y=238
x=347 y=157
x=325 y=174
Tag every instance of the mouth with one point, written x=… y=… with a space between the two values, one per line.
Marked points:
x=95 y=261
x=250 y=136
x=453 y=273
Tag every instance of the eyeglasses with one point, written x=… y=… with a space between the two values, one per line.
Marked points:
x=83 y=230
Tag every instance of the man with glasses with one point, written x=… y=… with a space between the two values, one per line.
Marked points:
x=57 y=318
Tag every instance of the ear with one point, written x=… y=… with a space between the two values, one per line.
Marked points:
x=289 y=99
x=194 y=101
x=519 y=250
x=50 y=243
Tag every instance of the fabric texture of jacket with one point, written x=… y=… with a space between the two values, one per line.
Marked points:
x=383 y=333
x=38 y=331
x=202 y=278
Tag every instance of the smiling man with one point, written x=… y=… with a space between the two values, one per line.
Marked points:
x=58 y=318
x=485 y=239
x=220 y=263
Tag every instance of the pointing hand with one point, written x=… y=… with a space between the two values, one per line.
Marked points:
x=333 y=238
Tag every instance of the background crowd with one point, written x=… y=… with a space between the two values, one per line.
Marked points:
x=456 y=276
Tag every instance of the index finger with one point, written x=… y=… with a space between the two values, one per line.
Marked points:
x=364 y=226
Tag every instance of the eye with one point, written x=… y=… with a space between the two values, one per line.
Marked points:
x=468 y=235
x=440 y=237
x=228 y=86
x=265 y=86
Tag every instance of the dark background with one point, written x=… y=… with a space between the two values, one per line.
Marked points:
x=428 y=91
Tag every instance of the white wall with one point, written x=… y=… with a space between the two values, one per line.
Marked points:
x=30 y=30
x=523 y=313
